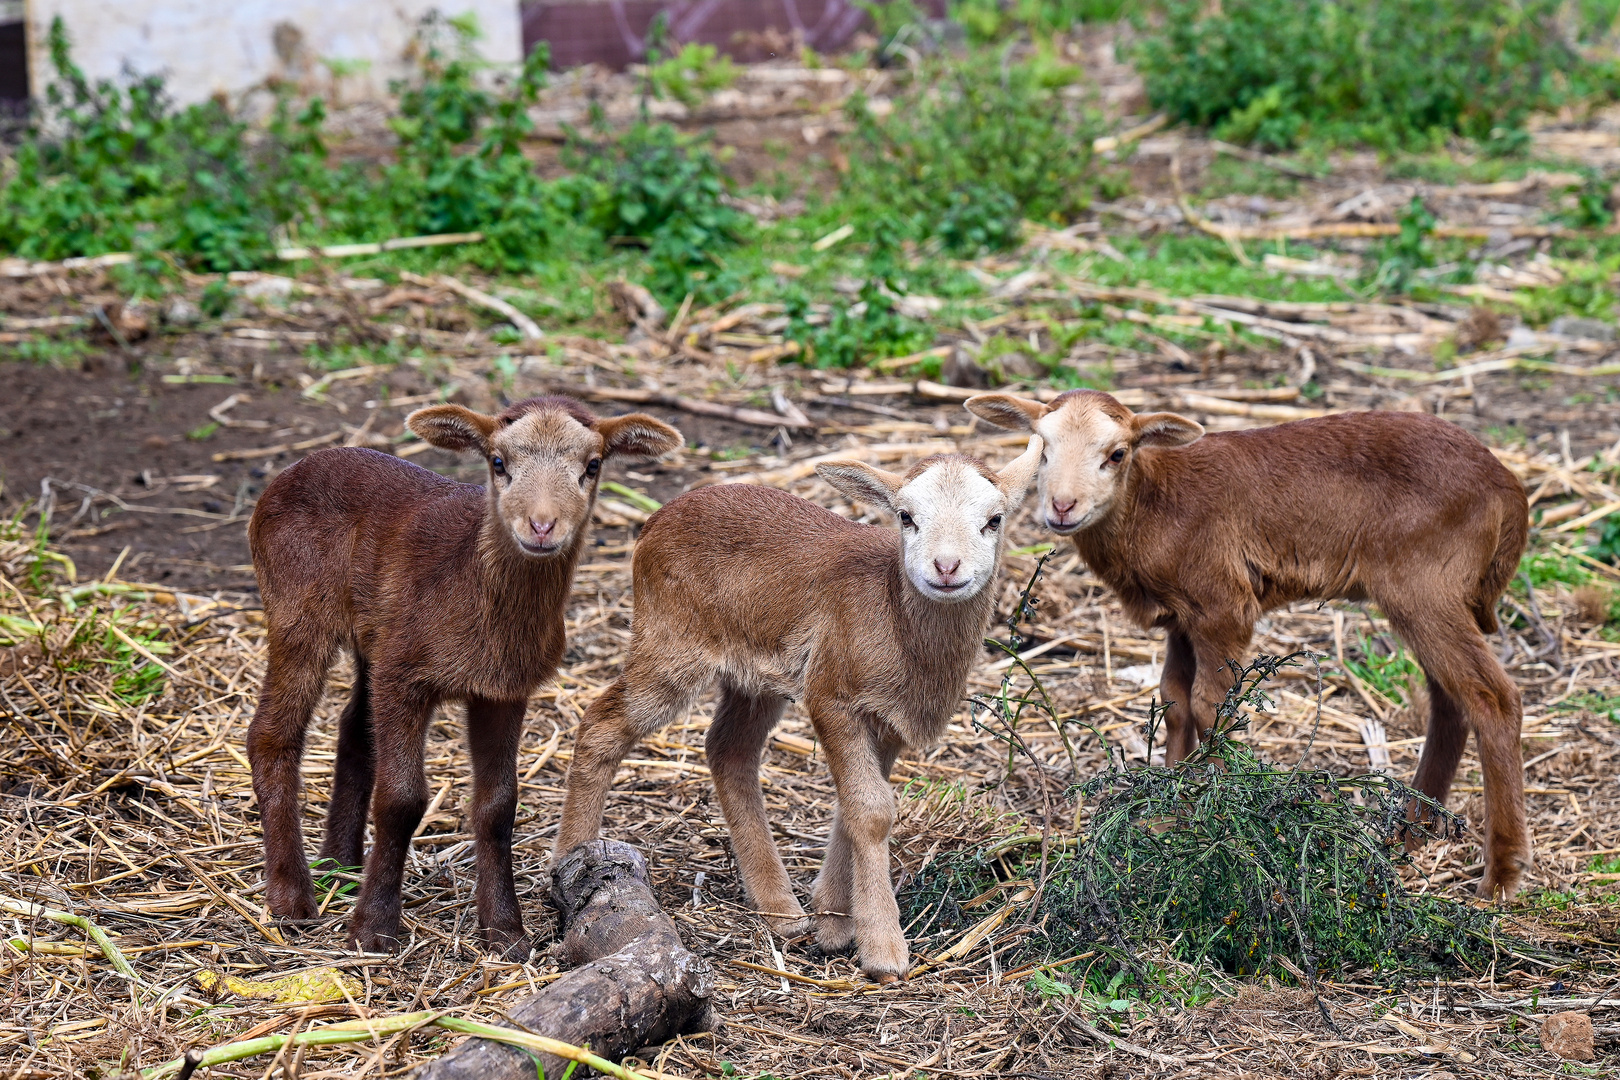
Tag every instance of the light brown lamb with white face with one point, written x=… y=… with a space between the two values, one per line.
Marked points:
x=1203 y=534
x=776 y=599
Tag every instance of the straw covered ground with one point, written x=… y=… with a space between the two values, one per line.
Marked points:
x=127 y=801
x=131 y=646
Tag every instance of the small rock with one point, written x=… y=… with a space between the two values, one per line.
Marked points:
x=155 y=442
x=182 y=312
x=1481 y=327
x=269 y=287
x=960 y=369
x=1568 y=1035
x=1576 y=327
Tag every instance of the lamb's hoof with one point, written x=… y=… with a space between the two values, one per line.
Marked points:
x=378 y=935
x=835 y=934
x=510 y=945
x=792 y=929
x=1498 y=888
x=292 y=902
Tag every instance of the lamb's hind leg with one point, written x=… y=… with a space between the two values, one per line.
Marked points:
x=1476 y=692
x=735 y=743
x=636 y=705
x=352 y=776
x=293 y=681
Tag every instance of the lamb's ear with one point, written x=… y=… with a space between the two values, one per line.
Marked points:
x=1014 y=479
x=861 y=482
x=451 y=427
x=1007 y=411
x=639 y=434
x=1164 y=429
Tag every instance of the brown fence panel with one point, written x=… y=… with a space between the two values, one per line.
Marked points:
x=613 y=32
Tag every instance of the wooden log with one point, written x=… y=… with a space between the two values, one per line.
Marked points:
x=637 y=984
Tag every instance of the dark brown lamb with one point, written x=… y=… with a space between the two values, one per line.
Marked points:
x=442 y=591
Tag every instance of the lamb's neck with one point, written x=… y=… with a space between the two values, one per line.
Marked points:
x=518 y=588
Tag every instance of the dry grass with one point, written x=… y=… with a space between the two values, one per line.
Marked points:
x=137 y=813
x=125 y=798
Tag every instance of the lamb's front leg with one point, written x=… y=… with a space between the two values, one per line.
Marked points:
x=860 y=768
x=831 y=896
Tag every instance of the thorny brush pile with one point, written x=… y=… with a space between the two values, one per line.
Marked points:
x=1222 y=863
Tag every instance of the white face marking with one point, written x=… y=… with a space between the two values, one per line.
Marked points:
x=1077 y=481
x=947 y=542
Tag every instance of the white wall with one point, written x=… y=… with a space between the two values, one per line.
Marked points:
x=205 y=47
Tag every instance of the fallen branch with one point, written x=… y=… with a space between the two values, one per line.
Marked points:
x=1219 y=406
x=343 y=251
x=21 y=268
x=365 y=1030
x=1115 y=1042
x=526 y=326
x=279 y=448
x=735 y=413
x=637 y=986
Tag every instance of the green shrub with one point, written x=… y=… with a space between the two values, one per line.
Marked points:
x=993 y=20
x=1275 y=72
x=110 y=169
x=655 y=186
x=853 y=334
x=113 y=169
x=691 y=73
x=974 y=147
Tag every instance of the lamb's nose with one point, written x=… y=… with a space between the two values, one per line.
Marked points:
x=946 y=569
x=542 y=532
x=1060 y=510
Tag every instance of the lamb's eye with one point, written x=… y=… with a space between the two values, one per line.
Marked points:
x=1117 y=456
x=593 y=466
x=906 y=522
x=993 y=523
x=498 y=464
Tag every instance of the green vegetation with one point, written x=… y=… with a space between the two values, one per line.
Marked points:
x=974 y=147
x=996 y=20
x=1387 y=668
x=1224 y=863
x=1281 y=72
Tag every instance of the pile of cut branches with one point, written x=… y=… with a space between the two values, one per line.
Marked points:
x=1227 y=860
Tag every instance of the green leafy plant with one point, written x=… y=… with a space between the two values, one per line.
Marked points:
x=690 y=74
x=1408 y=251
x=460 y=164
x=103 y=165
x=994 y=20
x=1607 y=547
x=1276 y=72
x=853 y=334
x=972 y=148
x=1387 y=668
x=651 y=185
